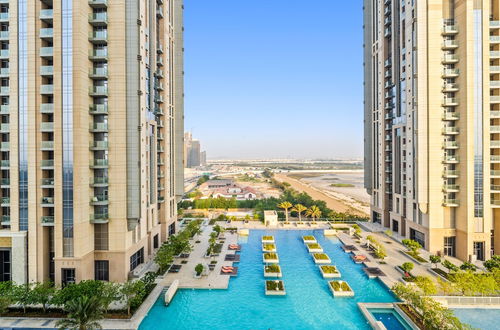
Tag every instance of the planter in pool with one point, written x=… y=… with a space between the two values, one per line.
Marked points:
x=267 y=239
x=309 y=239
x=329 y=271
x=314 y=248
x=321 y=258
x=268 y=247
x=275 y=288
x=272 y=271
x=340 y=289
x=270 y=258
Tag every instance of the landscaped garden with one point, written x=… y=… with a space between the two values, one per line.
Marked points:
x=329 y=271
x=321 y=258
x=272 y=270
x=314 y=247
x=269 y=247
x=270 y=257
x=267 y=239
x=309 y=239
x=275 y=288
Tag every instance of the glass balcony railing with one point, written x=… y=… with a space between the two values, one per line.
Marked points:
x=47 y=126
x=103 y=145
x=46 y=33
x=46 y=14
x=4 y=34
x=47 y=89
x=4 y=16
x=47 y=163
x=100 y=162
x=47 y=51
x=47 y=108
x=47 y=220
x=47 y=201
x=4 y=145
x=5 y=200
x=5 y=219
x=98 y=109
x=4 y=90
x=101 y=18
x=98 y=35
x=4 y=53
x=4 y=127
x=99 y=72
x=47 y=145
x=98 y=3
x=99 y=218
x=5 y=182
x=100 y=180
x=99 y=54
x=495 y=173
x=99 y=127
x=47 y=182
x=47 y=70
x=4 y=163
x=99 y=198
x=99 y=90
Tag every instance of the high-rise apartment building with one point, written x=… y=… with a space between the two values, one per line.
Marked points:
x=91 y=157
x=432 y=122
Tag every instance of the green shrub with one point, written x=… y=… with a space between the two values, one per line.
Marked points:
x=327 y=269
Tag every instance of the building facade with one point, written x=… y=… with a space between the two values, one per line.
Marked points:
x=432 y=122
x=91 y=108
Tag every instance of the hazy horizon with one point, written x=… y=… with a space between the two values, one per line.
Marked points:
x=274 y=79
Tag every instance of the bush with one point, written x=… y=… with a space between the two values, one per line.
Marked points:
x=468 y=266
x=435 y=260
x=412 y=246
x=493 y=263
x=198 y=269
x=407 y=267
x=450 y=266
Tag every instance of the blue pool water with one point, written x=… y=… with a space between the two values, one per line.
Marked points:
x=484 y=319
x=391 y=319
x=308 y=304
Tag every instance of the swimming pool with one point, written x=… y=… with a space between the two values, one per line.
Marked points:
x=308 y=304
x=484 y=319
x=390 y=319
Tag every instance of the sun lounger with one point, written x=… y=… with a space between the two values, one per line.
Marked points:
x=234 y=247
x=373 y=272
x=359 y=258
x=175 y=268
x=232 y=257
x=231 y=271
x=349 y=248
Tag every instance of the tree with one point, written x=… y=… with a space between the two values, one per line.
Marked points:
x=464 y=282
x=426 y=284
x=412 y=246
x=198 y=269
x=87 y=288
x=42 y=294
x=450 y=266
x=109 y=294
x=164 y=256
x=132 y=293
x=313 y=212
x=285 y=205
x=446 y=287
x=493 y=263
x=299 y=208
x=84 y=312
x=357 y=229
x=6 y=296
x=22 y=295
x=407 y=267
x=468 y=266
x=435 y=260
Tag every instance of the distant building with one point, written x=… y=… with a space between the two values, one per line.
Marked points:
x=271 y=218
x=192 y=151
x=203 y=158
x=227 y=189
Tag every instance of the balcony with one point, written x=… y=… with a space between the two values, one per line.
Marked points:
x=494 y=84
x=160 y=161
x=99 y=127
x=98 y=73
x=99 y=218
x=494 y=144
x=389 y=105
x=47 y=201
x=46 y=51
x=99 y=54
x=160 y=136
x=4 y=35
x=98 y=91
x=47 y=145
x=159 y=86
x=4 y=146
x=494 y=99
x=159 y=48
x=450 y=174
x=495 y=174
x=451 y=202
x=494 y=39
x=5 y=201
x=451 y=188
x=99 y=145
x=46 y=14
x=4 y=72
x=47 y=220
x=450 y=145
x=450 y=87
x=5 y=220
x=47 y=127
x=47 y=108
x=159 y=12
x=494 y=54
x=159 y=73
x=388 y=138
x=449 y=58
x=46 y=70
x=159 y=61
x=159 y=111
x=4 y=164
x=160 y=149
x=99 y=37
x=494 y=129
x=4 y=90
x=449 y=29
x=450 y=102
x=450 y=73
x=161 y=174
x=98 y=109
x=47 y=183
x=161 y=199
x=99 y=199
x=4 y=54
x=4 y=128
x=99 y=181
x=162 y=187
x=98 y=3
x=494 y=24
x=451 y=116
x=495 y=203
x=495 y=189
x=47 y=89
x=46 y=33
x=449 y=44
x=4 y=17
x=387 y=20
x=99 y=163
x=47 y=164
x=5 y=182
x=4 y=109
x=98 y=19
x=495 y=159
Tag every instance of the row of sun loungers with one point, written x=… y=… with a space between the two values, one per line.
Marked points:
x=349 y=248
x=232 y=257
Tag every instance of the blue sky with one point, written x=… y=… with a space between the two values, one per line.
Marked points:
x=274 y=78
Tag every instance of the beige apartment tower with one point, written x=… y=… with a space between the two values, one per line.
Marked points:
x=91 y=157
x=432 y=122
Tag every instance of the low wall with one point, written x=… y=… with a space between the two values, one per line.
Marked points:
x=469 y=302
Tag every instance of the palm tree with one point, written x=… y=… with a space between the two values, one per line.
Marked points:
x=285 y=206
x=313 y=212
x=83 y=313
x=299 y=208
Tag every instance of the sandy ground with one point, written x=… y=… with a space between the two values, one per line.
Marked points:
x=335 y=199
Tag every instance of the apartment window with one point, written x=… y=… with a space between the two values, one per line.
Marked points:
x=101 y=270
x=171 y=229
x=156 y=242
x=68 y=276
x=5 y=265
x=417 y=236
x=136 y=259
x=479 y=250
x=395 y=226
x=101 y=241
x=377 y=218
x=449 y=246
